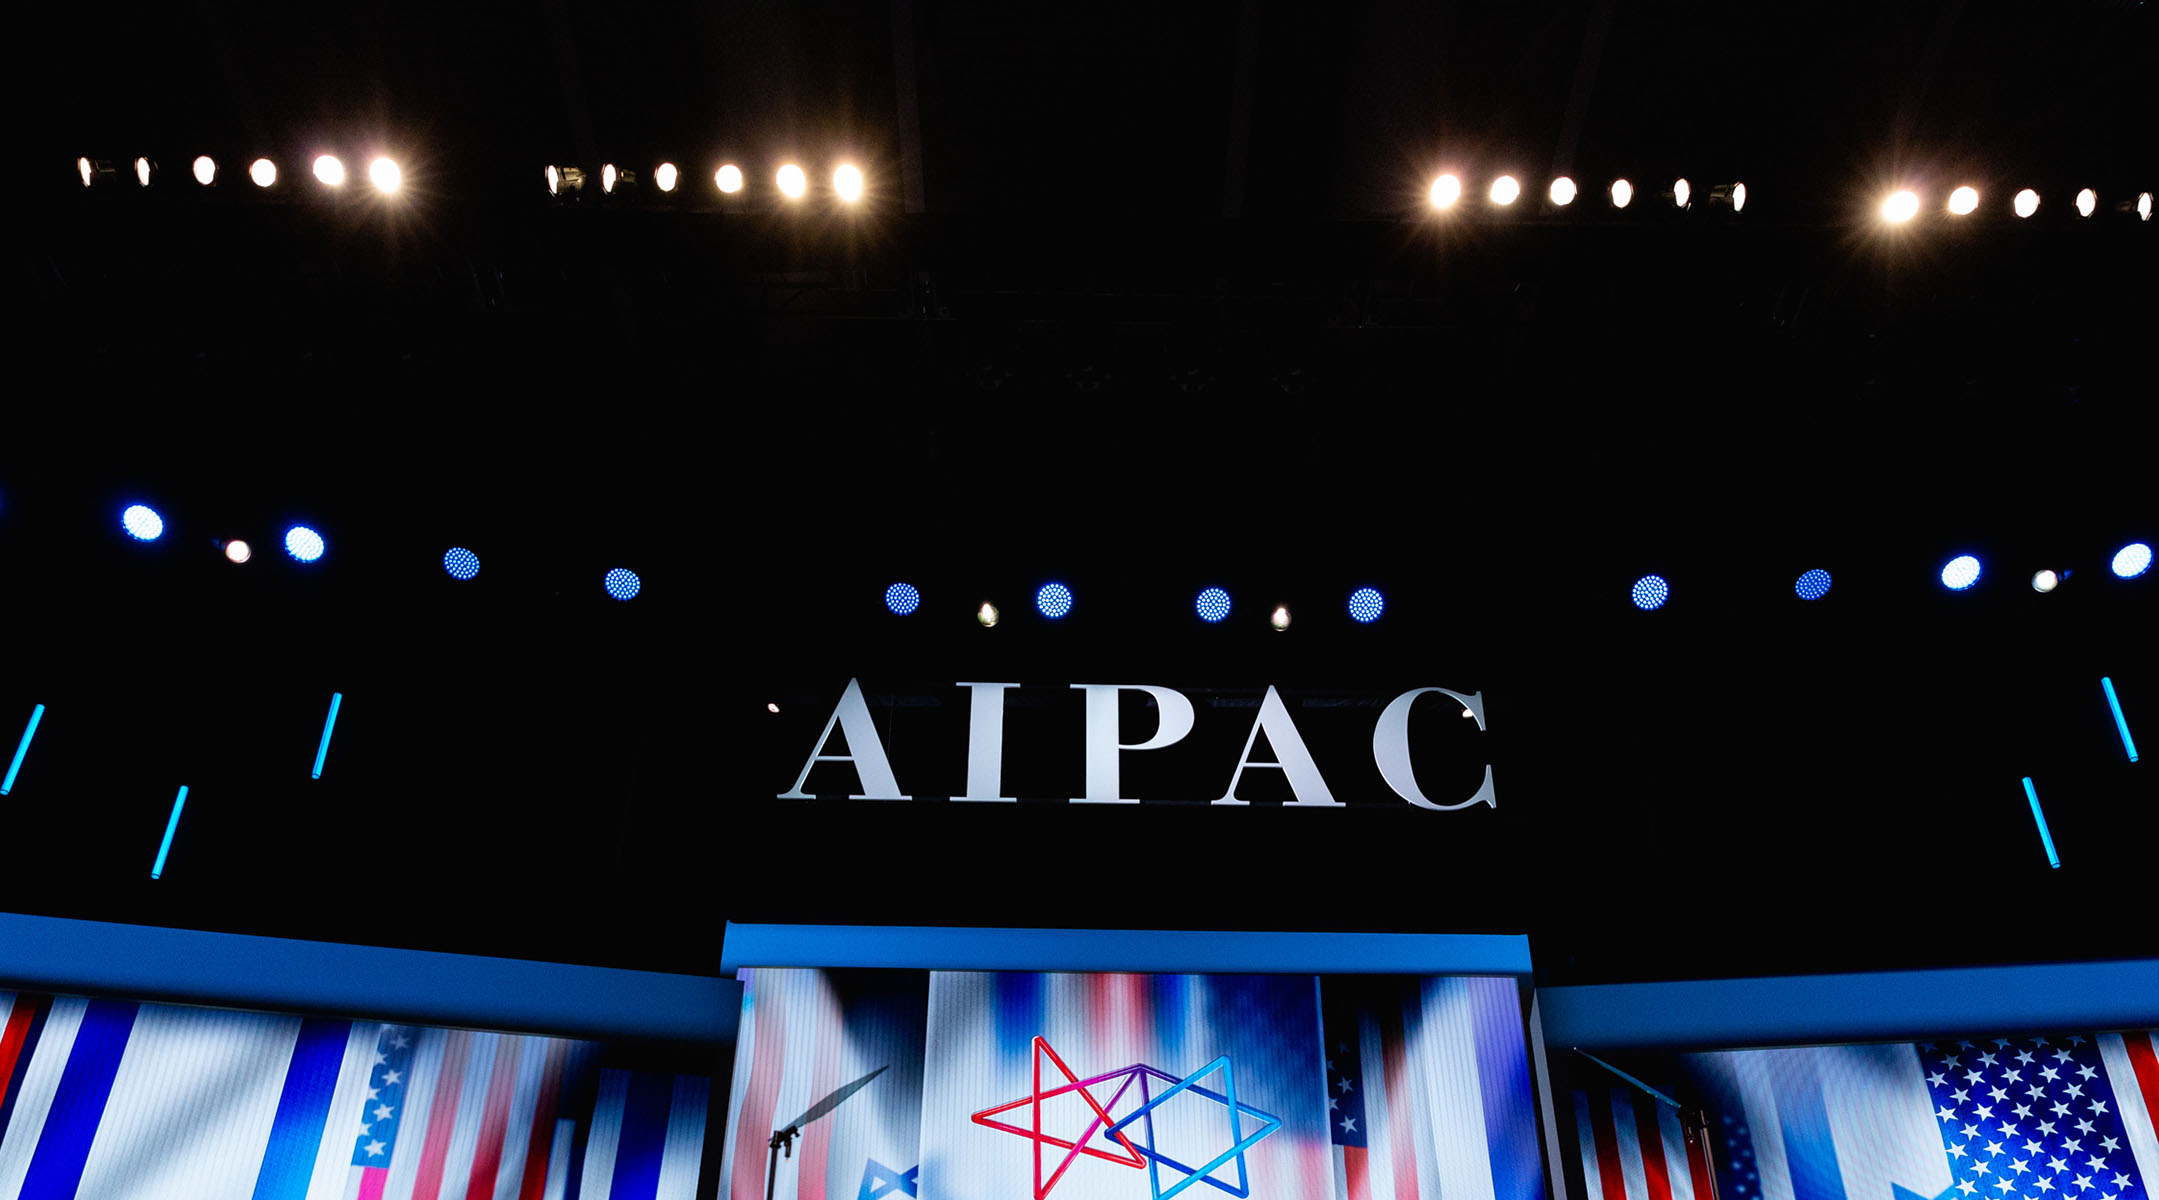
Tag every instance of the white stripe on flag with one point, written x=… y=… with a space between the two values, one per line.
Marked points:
x=1592 y=1177
x=1882 y=1119
x=2129 y=1103
x=192 y=1103
x=419 y=1103
x=684 y=1150
x=806 y=1007
x=524 y=1101
x=739 y=1086
x=1629 y=1141
x=1676 y=1167
x=7 y=1005
x=558 y=1160
x=1444 y=1054
x=39 y=1082
x=1751 y=1071
x=1378 y=1109
x=333 y=1175
x=606 y=1133
x=471 y=1106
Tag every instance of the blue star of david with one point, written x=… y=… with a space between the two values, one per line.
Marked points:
x=1238 y=1142
x=879 y=1180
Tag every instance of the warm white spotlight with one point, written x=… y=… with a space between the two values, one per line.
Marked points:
x=2027 y=202
x=554 y=180
x=1505 y=190
x=1901 y=207
x=1682 y=192
x=608 y=178
x=1964 y=201
x=1739 y=196
x=987 y=614
x=771 y=706
x=2045 y=581
x=329 y=170
x=237 y=551
x=1622 y=193
x=847 y=182
x=1280 y=619
x=84 y=168
x=793 y=183
x=729 y=178
x=1445 y=191
x=385 y=175
x=143 y=168
x=2144 y=206
x=263 y=172
x=665 y=176
x=205 y=170
x=1562 y=191
x=2087 y=200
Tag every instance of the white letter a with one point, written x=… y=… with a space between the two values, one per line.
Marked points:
x=874 y=771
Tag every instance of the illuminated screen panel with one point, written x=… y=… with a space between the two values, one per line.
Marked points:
x=111 y=1098
x=1011 y=1085
x=2015 y=1117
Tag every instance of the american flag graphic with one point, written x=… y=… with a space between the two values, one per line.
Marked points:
x=1635 y=1147
x=2067 y=1117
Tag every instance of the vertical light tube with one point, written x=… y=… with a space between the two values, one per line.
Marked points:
x=2114 y=702
x=172 y=826
x=329 y=724
x=2040 y=818
x=37 y=714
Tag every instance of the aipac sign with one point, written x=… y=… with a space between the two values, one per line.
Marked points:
x=1105 y=747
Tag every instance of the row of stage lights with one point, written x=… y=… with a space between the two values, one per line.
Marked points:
x=1897 y=208
x=383 y=174
x=790 y=180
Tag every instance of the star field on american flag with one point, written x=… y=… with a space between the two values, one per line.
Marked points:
x=382 y=1110
x=2030 y=1118
x=1345 y=1094
x=1735 y=1162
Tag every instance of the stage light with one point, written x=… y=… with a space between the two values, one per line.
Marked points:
x=1650 y=591
x=304 y=544
x=771 y=706
x=1682 y=192
x=623 y=583
x=37 y=714
x=2132 y=560
x=793 y=183
x=1960 y=572
x=2045 y=581
x=142 y=523
x=205 y=170
x=329 y=170
x=263 y=172
x=172 y=826
x=2144 y=206
x=87 y=169
x=237 y=551
x=1739 y=196
x=1900 y=207
x=1622 y=193
x=1964 y=201
x=1365 y=605
x=2039 y=818
x=609 y=177
x=2106 y=684
x=664 y=176
x=728 y=178
x=1212 y=605
x=1053 y=600
x=2026 y=203
x=902 y=599
x=144 y=168
x=1813 y=585
x=2087 y=201
x=987 y=614
x=385 y=175
x=1505 y=190
x=1445 y=191
x=329 y=726
x=847 y=182
x=460 y=563
x=1280 y=618
x=1562 y=192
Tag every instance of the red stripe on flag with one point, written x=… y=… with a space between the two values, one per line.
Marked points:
x=824 y=1076
x=1354 y=1169
x=1652 y=1137
x=371 y=1181
x=11 y=1040
x=494 y=1122
x=542 y=1145
x=2147 y=1069
x=1401 y=1134
x=1607 y=1138
x=1705 y=1180
x=753 y=1126
x=442 y=1113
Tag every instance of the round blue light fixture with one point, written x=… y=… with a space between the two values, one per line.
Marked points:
x=901 y=599
x=1813 y=585
x=2132 y=560
x=460 y=562
x=1053 y=600
x=1212 y=605
x=1960 y=572
x=304 y=544
x=142 y=523
x=1651 y=591
x=1365 y=605
x=623 y=583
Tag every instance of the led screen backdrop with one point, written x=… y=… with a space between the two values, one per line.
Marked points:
x=114 y=1100
x=2023 y=1117
x=1027 y=1086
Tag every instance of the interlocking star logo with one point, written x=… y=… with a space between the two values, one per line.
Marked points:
x=1113 y=1131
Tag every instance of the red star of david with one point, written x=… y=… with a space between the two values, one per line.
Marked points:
x=1073 y=1149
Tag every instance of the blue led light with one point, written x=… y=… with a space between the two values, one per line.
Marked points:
x=2132 y=560
x=902 y=599
x=1212 y=605
x=142 y=522
x=1650 y=591
x=329 y=726
x=1054 y=600
x=623 y=583
x=37 y=713
x=172 y=826
x=2039 y=818
x=2106 y=683
x=304 y=544
x=1365 y=605
x=1960 y=572
x=1813 y=585
x=460 y=562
